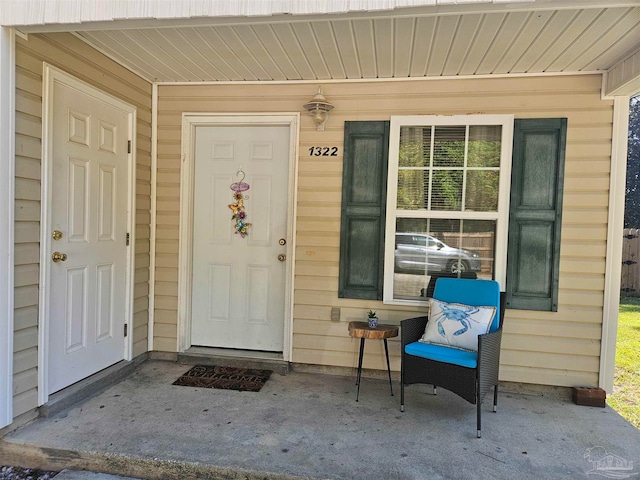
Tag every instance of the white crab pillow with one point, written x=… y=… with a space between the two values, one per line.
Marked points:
x=457 y=325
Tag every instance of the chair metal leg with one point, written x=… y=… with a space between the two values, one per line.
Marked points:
x=495 y=398
x=386 y=351
x=359 y=368
x=479 y=409
x=402 y=384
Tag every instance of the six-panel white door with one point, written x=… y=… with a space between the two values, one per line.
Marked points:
x=238 y=289
x=89 y=186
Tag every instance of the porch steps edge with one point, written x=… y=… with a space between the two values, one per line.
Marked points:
x=278 y=366
x=145 y=468
x=90 y=386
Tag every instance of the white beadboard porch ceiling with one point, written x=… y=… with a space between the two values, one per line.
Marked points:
x=421 y=42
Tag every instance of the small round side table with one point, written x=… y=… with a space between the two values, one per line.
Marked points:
x=362 y=330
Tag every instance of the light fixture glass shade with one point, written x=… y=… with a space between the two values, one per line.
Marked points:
x=319 y=108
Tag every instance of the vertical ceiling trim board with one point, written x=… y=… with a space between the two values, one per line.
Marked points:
x=287 y=37
x=309 y=43
x=108 y=52
x=340 y=59
x=344 y=35
x=460 y=46
x=131 y=35
x=324 y=36
x=210 y=51
x=245 y=54
x=603 y=30
x=364 y=34
x=139 y=63
x=172 y=52
x=613 y=34
x=200 y=51
x=182 y=52
x=426 y=27
x=610 y=55
x=218 y=46
x=576 y=46
x=383 y=45
x=503 y=40
x=532 y=30
x=444 y=43
x=578 y=23
x=270 y=43
x=472 y=39
x=405 y=34
x=268 y=62
x=489 y=31
x=543 y=42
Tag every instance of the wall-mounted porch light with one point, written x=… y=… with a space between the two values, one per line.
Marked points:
x=319 y=109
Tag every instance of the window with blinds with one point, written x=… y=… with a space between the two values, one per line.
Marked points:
x=447 y=201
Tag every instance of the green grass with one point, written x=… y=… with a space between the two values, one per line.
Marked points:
x=626 y=385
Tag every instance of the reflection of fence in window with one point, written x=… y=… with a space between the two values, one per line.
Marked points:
x=630 y=281
x=482 y=242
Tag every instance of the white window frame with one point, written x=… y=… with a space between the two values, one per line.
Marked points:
x=501 y=216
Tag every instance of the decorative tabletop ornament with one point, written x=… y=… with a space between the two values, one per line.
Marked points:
x=239 y=216
x=372 y=319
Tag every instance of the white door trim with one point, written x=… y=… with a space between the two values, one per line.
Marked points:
x=189 y=123
x=7 y=171
x=51 y=75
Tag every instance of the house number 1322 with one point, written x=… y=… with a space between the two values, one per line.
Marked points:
x=323 y=151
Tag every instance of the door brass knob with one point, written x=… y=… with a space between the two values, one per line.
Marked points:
x=56 y=235
x=282 y=257
x=59 y=257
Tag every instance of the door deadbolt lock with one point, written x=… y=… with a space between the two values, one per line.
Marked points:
x=56 y=235
x=59 y=257
x=282 y=257
x=282 y=241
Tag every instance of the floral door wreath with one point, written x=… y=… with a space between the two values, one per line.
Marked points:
x=239 y=216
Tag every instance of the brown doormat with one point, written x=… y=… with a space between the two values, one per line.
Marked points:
x=226 y=378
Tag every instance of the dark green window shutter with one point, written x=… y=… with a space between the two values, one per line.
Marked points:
x=535 y=213
x=364 y=197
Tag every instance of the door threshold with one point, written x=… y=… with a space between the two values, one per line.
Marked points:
x=229 y=357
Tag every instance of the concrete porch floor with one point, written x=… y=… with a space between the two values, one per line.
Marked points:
x=307 y=425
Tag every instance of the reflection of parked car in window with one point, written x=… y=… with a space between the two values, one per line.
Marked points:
x=416 y=252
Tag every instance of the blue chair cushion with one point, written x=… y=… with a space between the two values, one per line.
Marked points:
x=470 y=292
x=440 y=353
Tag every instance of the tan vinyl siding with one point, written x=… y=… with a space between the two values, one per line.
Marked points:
x=75 y=57
x=560 y=348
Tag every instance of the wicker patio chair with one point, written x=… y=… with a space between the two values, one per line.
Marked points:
x=466 y=373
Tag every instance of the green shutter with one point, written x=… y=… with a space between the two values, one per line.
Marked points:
x=535 y=213
x=364 y=197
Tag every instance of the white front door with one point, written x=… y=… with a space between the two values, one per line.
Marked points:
x=89 y=200
x=238 y=290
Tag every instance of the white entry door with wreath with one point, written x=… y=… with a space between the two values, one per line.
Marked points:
x=239 y=264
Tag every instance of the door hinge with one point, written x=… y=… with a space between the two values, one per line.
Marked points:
x=126 y=329
x=129 y=146
x=128 y=238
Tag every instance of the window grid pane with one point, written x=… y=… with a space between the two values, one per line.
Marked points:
x=449 y=168
x=430 y=247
